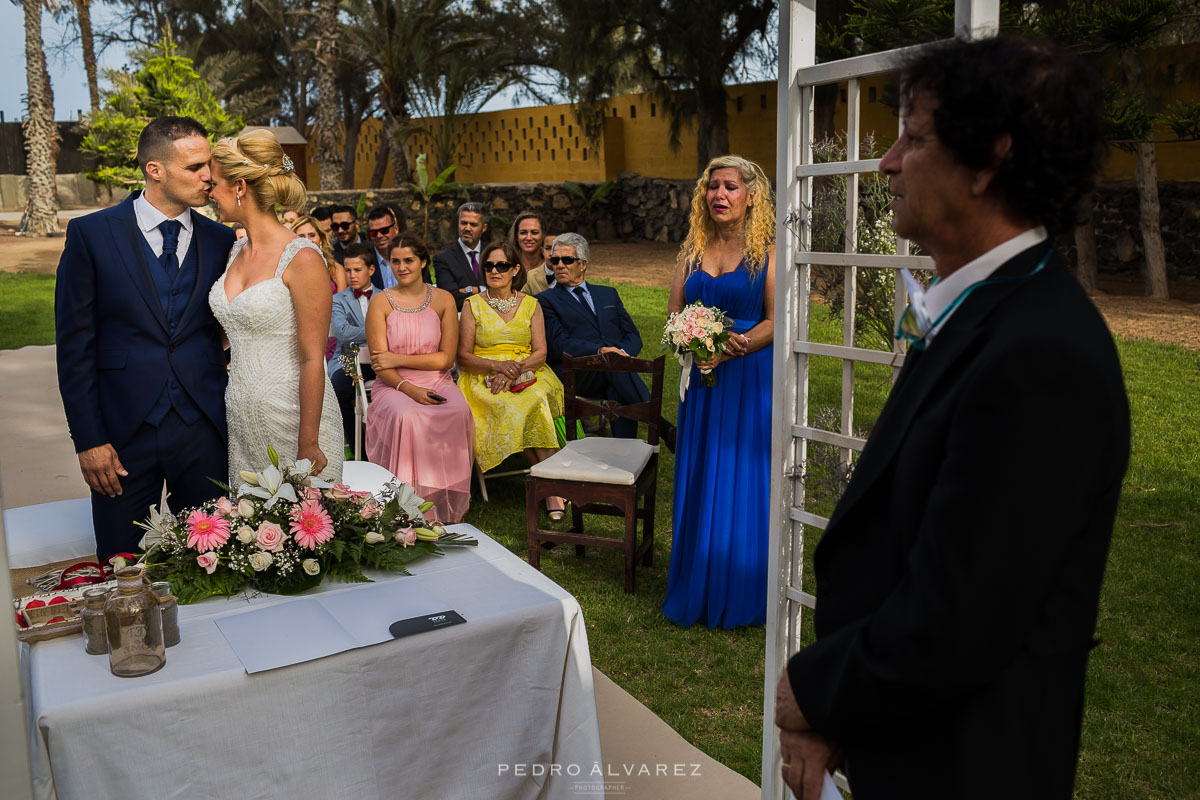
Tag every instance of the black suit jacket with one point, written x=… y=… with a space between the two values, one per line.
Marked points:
x=115 y=350
x=959 y=577
x=571 y=327
x=453 y=272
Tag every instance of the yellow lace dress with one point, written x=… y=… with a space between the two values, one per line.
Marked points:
x=507 y=423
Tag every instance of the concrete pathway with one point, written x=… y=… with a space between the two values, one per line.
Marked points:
x=645 y=758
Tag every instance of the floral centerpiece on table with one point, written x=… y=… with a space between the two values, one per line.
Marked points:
x=696 y=332
x=286 y=531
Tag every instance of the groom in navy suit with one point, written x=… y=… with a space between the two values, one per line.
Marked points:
x=584 y=319
x=140 y=362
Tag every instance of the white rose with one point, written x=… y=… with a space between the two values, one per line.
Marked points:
x=245 y=508
x=245 y=534
x=374 y=537
x=311 y=566
x=261 y=560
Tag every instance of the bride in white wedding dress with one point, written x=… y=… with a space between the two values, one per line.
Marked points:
x=274 y=303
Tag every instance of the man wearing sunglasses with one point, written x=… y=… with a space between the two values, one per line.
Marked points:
x=384 y=226
x=958 y=578
x=343 y=230
x=584 y=319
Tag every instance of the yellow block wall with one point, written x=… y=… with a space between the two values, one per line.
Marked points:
x=547 y=144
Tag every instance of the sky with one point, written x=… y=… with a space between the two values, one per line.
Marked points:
x=66 y=68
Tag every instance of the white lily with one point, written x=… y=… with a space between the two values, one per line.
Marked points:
x=410 y=502
x=271 y=486
x=158 y=526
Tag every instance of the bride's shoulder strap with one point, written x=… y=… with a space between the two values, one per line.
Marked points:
x=289 y=252
x=233 y=251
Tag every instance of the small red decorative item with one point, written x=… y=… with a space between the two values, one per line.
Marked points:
x=56 y=600
x=35 y=604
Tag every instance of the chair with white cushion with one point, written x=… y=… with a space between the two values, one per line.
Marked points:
x=611 y=477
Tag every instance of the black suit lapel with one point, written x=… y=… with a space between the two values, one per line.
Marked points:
x=923 y=371
x=128 y=240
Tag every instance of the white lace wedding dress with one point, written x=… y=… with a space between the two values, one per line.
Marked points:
x=262 y=401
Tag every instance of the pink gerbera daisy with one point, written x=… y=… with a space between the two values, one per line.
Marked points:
x=311 y=525
x=206 y=531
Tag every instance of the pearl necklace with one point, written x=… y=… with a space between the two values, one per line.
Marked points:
x=501 y=306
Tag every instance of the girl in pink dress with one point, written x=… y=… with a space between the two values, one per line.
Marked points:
x=419 y=425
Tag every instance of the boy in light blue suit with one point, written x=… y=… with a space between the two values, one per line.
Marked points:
x=348 y=324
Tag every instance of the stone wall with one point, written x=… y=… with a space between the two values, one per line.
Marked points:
x=658 y=208
x=1119 y=239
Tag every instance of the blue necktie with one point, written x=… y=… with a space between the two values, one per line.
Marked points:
x=581 y=296
x=169 y=259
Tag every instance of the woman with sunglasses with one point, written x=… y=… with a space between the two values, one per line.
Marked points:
x=722 y=462
x=527 y=234
x=418 y=425
x=513 y=395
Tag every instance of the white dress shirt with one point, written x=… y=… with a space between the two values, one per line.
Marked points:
x=148 y=220
x=941 y=295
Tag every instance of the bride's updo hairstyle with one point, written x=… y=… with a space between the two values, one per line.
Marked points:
x=257 y=158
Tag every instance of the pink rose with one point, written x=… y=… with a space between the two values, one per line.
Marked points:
x=208 y=561
x=310 y=493
x=224 y=507
x=270 y=537
x=339 y=492
x=369 y=510
x=406 y=537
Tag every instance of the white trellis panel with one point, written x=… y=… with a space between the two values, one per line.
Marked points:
x=799 y=74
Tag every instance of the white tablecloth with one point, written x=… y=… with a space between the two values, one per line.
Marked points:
x=500 y=707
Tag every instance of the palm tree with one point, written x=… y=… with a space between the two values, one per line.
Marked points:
x=325 y=129
x=41 y=134
x=83 y=11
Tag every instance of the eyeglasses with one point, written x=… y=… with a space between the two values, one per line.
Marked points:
x=568 y=260
x=497 y=266
x=341 y=226
x=384 y=231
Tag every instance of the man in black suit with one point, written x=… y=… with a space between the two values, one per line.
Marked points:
x=585 y=319
x=457 y=267
x=140 y=363
x=959 y=577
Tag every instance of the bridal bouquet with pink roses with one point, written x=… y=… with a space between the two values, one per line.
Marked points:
x=696 y=332
x=285 y=531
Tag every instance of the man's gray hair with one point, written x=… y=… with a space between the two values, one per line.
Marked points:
x=471 y=207
x=572 y=240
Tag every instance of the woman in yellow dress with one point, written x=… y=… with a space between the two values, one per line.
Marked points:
x=502 y=347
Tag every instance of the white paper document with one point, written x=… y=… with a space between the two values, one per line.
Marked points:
x=308 y=628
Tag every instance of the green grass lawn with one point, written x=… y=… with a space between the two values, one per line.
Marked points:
x=1142 y=721
x=26 y=309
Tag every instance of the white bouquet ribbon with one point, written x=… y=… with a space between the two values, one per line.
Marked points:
x=685 y=374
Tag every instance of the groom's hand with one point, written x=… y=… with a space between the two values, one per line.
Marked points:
x=101 y=468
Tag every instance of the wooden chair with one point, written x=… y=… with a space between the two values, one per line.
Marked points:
x=600 y=475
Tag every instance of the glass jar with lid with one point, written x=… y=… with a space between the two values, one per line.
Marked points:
x=133 y=621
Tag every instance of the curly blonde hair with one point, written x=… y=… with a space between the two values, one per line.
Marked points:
x=322 y=239
x=257 y=158
x=758 y=229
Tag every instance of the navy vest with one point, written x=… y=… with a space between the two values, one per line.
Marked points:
x=174 y=296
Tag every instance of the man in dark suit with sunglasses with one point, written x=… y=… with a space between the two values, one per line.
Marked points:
x=584 y=319
x=958 y=579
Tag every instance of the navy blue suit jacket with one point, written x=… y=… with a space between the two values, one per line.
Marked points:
x=115 y=352
x=572 y=329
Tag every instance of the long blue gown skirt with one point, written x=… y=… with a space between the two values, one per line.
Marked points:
x=722 y=473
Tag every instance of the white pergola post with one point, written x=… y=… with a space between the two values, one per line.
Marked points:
x=799 y=75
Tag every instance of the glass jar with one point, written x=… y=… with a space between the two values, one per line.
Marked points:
x=169 y=606
x=95 y=637
x=134 y=624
